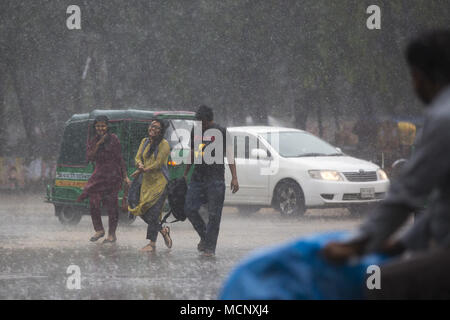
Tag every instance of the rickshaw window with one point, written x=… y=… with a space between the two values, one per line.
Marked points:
x=138 y=131
x=73 y=147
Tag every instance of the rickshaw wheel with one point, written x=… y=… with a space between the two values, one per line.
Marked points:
x=68 y=215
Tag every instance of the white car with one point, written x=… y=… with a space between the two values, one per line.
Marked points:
x=293 y=170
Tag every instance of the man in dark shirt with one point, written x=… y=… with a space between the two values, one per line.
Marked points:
x=424 y=179
x=209 y=145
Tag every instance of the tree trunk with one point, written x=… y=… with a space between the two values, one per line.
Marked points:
x=78 y=82
x=319 y=119
x=24 y=103
x=300 y=113
x=111 y=76
x=2 y=113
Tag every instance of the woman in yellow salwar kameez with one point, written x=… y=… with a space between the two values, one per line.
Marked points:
x=151 y=161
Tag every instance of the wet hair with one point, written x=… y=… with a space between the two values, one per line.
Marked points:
x=101 y=119
x=430 y=53
x=105 y=120
x=204 y=113
x=158 y=139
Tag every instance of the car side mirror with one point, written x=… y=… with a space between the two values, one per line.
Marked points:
x=259 y=154
x=339 y=150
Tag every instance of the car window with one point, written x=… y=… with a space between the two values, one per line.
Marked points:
x=298 y=144
x=260 y=145
x=243 y=144
x=240 y=150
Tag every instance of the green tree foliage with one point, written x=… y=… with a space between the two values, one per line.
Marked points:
x=291 y=59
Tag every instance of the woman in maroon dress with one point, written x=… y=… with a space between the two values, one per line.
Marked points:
x=104 y=184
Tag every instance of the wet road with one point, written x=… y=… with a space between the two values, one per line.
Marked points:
x=36 y=251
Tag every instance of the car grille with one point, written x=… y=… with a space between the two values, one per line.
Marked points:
x=361 y=176
x=357 y=196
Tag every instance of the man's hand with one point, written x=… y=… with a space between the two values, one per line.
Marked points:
x=393 y=248
x=234 y=185
x=340 y=252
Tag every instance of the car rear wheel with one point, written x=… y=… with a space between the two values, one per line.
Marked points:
x=68 y=215
x=290 y=200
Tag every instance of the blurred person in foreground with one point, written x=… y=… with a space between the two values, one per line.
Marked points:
x=105 y=182
x=423 y=272
x=208 y=180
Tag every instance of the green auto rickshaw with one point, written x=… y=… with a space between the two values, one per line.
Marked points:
x=73 y=170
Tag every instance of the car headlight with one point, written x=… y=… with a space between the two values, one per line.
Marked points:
x=382 y=175
x=325 y=175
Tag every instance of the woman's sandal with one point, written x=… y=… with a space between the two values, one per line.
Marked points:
x=97 y=236
x=107 y=240
x=149 y=248
x=165 y=232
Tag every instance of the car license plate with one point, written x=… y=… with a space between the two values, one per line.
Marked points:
x=367 y=193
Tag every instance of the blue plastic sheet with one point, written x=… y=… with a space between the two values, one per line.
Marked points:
x=297 y=271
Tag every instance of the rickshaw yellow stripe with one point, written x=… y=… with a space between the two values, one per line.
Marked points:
x=70 y=183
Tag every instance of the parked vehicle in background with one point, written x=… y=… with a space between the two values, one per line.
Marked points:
x=293 y=170
x=130 y=126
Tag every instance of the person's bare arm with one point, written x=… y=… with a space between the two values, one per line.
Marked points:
x=234 y=181
x=123 y=166
x=138 y=158
x=231 y=164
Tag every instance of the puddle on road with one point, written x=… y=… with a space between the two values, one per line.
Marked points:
x=114 y=272
x=36 y=251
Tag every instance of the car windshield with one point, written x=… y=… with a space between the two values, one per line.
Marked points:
x=291 y=144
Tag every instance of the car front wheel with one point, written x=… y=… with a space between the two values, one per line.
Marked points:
x=290 y=200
